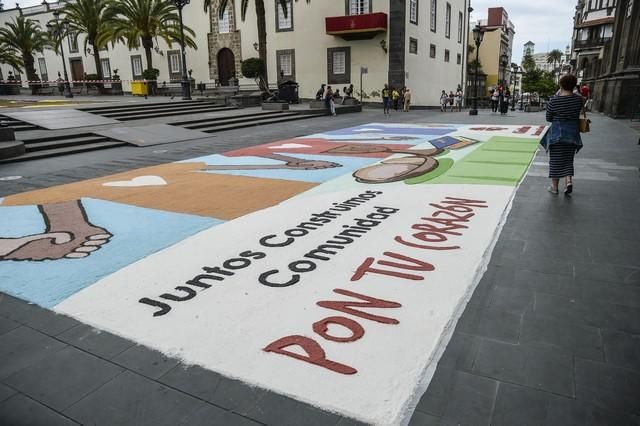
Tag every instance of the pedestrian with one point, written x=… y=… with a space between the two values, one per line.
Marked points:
x=331 y=98
x=395 y=95
x=562 y=141
x=451 y=100
x=320 y=93
x=459 y=99
x=407 y=100
x=504 y=102
x=349 y=91
x=386 y=100
x=443 y=101
x=494 y=100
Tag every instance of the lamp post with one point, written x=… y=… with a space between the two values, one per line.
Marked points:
x=478 y=34
x=514 y=74
x=58 y=31
x=186 y=84
x=504 y=61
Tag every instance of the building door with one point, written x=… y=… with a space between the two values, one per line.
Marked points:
x=226 y=66
x=77 y=70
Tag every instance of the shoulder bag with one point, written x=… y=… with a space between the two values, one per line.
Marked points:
x=584 y=124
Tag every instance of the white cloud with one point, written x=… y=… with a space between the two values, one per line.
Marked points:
x=547 y=23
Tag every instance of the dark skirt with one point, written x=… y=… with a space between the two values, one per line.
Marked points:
x=561 y=160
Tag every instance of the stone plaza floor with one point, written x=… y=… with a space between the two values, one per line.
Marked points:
x=551 y=335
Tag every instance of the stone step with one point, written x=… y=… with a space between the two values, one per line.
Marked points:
x=271 y=120
x=9 y=149
x=165 y=112
x=120 y=107
x=64 y=151
x=205 y=123
x=64 y=142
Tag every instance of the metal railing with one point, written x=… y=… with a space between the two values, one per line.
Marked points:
x=590 y=42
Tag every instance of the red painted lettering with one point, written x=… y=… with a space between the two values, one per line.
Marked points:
x=322 y=328
x=315 y=354
x=365 y=267
x=422 y=246
x=370 y=302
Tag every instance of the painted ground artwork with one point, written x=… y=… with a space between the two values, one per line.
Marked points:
x=331 y=268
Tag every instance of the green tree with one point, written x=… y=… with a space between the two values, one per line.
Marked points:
x=8 y=57
x=528 y=63
x=139 y=22
x=89 y=17
x=21 y=38
x=261 y=24
x=554 y=57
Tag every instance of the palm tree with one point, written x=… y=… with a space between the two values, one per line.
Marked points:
x=89 y=17
x=20 y=39
x=261 y=22
x=553 y=57
x=8 y=57
x=139 y=22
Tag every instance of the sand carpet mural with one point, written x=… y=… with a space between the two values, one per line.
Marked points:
x=331 y=268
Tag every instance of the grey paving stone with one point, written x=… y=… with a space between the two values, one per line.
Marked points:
x=622 y=349
x=563 y=411
x=610 y=273
x=556 y=248
x=98 y=342
x=518 y=405
x=492 y=323
x=460 y=352
x=145 y=361
x=63 y=378
x=345 y=421
x=541 y=282
x=616 y=252
x=210 y=415
x=236 y=396
x=506 y=251
x=23 y=411
x=193 y=380
x=34 y=316
x=584 y=342
x=23 y=347
x=550 y=370
x=274 y=409
x=131 y=399
x=608 y=386
x=6 y=392
x=482 y=292
x=501 y=361
x=423 y=419
x=510 y=299
x=434 y=401
x=538 y=263
x=471 y=400
x=7 y=324
x=619 y=294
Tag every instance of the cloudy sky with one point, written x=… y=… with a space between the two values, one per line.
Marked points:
x=547 y=23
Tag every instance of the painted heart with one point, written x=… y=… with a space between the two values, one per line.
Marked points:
x=138 y=181
x=290 y=146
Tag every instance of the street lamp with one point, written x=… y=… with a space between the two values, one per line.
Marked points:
x=186 y=84
x=58 y=30
x=504 y=60
x=514 y=74
x=478 y=34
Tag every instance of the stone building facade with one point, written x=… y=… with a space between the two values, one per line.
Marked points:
x=224 y=44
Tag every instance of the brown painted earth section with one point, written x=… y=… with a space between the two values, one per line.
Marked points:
x=188 y=190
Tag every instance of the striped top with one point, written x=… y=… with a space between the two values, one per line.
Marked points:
x=564 y=108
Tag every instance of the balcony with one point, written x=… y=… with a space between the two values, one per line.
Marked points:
x=590 y=43
x=357 y=27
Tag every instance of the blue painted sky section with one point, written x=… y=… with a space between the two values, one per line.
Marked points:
x=137 y=233
x=349 y=164
x=372 y=129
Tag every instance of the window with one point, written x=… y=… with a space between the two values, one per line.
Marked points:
x=432 y=50
x=413 y=11
x=339 y=62
x=42 y=65
x=446 y=55
x=629 y=8
x=284 y=23
x=447 y=22
x=174 y=63
x=459 y=59
x=339 y=65
x=413 y=46
x=460 y=24
x=358 y=7
x=224 y=23
x=73 y=43
x=136 y=65
x=434 y=14
x=286 y=63
x=106 y=68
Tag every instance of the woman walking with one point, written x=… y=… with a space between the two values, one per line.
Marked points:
x=407 y=100
x=562 y=141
